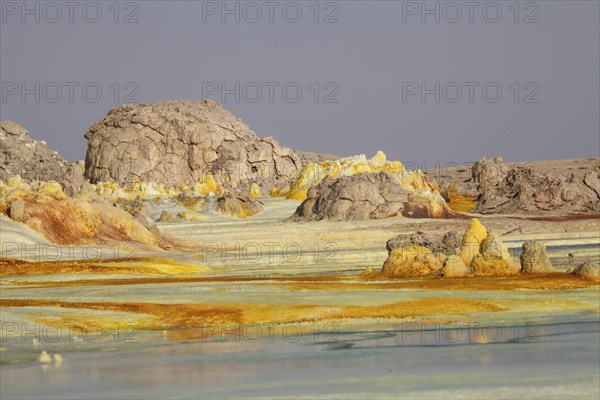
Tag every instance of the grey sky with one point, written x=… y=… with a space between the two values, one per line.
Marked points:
x=366 y=56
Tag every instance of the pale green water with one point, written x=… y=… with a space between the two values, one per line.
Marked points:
x=562 y=362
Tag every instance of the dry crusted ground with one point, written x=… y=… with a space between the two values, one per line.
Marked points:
x=149 y=314
x=187 y=289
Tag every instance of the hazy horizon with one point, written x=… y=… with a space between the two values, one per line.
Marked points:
x=360 y=68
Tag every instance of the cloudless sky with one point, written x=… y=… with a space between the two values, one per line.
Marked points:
x=361 y=68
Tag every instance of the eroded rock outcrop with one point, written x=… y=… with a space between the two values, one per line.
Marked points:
x=523 y=189
x=308 y=157
x=196 y=198
x=448 y=244
x=357 y=197
x=188 y=196
x=45 y=208
x=314 y=173
x=424 y=203
x=411 y=261
x=454 y=267
x=489 y=171
x=493 y=258
x=178 y=142
x=33 y=161
x=534 y=258
x=588 y=270
x=471 y=241
x=368 y=196
x=419 y=254
x=238 y=205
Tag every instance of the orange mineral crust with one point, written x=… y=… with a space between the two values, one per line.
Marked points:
x=551 y=281
x=131 y=265
x=192 y=315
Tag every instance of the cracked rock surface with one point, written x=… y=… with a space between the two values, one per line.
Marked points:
x=177 y=142
x=364 y=196
x=528 y=190
x=34 y=161
x=356 y=197
x=448 y=244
